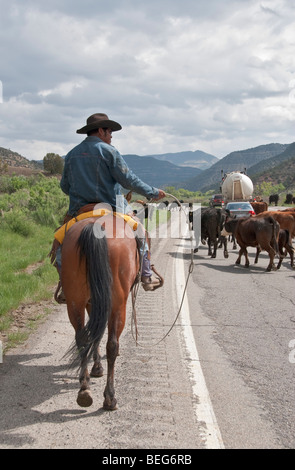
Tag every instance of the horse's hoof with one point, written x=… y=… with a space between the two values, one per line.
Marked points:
x=84 y=398
x=110 y=405
x=96 y=371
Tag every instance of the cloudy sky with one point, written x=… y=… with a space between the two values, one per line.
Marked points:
x=177 y=74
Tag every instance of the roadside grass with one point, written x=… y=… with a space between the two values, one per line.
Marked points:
x=19 y=285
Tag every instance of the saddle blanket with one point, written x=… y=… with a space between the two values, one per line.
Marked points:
x=61 y=232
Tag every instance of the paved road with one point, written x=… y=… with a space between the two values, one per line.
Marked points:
x=242 y=358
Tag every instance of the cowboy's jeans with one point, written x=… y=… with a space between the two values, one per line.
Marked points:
x=58 y=258
x=146 y=266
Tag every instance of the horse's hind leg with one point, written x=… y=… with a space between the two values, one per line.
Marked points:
x=97 y=369
x=110 y=402
x=115 y=328
x=76 y=314
x=84 y=397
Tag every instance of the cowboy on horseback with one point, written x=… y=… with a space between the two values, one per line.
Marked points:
x=94 y=172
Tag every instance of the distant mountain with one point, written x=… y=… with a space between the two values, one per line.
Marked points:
x=196 y=159
x=235 y=161
x=159 y=173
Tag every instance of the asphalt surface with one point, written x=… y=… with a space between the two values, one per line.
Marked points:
x=244 y=326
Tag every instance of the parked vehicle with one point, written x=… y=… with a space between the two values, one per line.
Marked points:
x=216 y=200
x=240 y=209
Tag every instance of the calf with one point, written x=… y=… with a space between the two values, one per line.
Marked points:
x=259 y=207
x=262 y=233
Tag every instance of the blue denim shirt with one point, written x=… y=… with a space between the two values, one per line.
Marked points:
x=95 y=172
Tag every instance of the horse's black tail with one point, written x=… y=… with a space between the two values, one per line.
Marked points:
x=92 y=244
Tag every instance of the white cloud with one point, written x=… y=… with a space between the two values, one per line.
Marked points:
x=214 y=76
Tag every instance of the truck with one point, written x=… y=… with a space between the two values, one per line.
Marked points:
x=236 y=186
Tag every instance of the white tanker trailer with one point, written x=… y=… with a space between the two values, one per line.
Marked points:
x=236 y=186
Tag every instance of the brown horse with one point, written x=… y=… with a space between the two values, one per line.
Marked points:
x=100 y=264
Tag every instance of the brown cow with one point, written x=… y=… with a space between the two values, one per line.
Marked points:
x=259 y=232
x=285 y=219
x=284 y=247
x=288 y=209
x=259 y=206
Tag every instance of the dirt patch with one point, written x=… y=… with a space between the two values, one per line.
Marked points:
x=33 y=267
x=25 y=319
x=21 y=171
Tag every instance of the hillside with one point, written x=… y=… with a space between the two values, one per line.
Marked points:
x=14 y=159
x=238 y=160
x=267 y=165
x=284 y=172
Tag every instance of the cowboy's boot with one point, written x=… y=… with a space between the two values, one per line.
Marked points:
x=148 y=283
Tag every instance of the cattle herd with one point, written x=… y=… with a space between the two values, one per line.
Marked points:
x=270 y=231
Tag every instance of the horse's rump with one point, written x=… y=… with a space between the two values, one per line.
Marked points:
x=98 y=272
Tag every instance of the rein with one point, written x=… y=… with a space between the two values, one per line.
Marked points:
x=135 y=289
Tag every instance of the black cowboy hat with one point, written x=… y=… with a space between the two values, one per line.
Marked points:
x=99 y=120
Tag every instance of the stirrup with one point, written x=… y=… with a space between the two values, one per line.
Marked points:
x=153 y=285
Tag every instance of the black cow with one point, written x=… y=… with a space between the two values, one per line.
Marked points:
x=274 y=198
x=212 y=222
x=289 y=198
x=259 y=232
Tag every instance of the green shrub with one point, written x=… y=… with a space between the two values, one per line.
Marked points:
x=18 y=223
x=45 y=216
x=11 y=184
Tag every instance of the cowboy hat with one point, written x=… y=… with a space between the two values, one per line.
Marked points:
x=99 y=120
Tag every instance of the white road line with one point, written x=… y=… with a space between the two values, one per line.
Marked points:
x=210 y=432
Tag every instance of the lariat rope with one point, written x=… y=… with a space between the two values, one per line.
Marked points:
x=135 y=289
